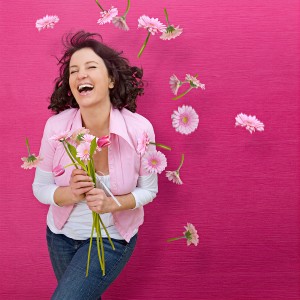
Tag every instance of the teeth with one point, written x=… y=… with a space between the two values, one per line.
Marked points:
x=81 y=87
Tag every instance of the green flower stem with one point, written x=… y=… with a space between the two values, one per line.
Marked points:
x=99 y=5
x=108 y=236
x=28 y=147
x=181 y=163
x=167 y=17
x=144 y=45
x=161 y=145
x=127 y=9
x=101 y=245
x=183 y=94
x=89 y=252
x=175 y=239
x=70 y=155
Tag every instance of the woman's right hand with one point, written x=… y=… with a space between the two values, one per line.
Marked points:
x=80 y=183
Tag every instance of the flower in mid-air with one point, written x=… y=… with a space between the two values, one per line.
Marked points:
x=154 y=161
x=31 y=161
x=250 y=122
x=107 y=15
x=171 y=31
x=46 y=22
x=120 y=22
x=152 y=25
x=175 y=84
x=185 y=120
x=174 y=176
x=190 y=234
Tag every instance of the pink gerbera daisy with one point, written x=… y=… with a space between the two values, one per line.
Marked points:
x=46 y=22
x=61 y=137
x=107 y=15
x=171 y=32
x=153 y=25
x=83 y=151
x=185 y=120
x=88 y=138
x=31 y=161
x=250 y=122
x=191 y=234
x=175 y=84
x=194 y=82
x=154 y=162
x=78 y=134
x=120 y=22
x=174 y=176
x=142 y=143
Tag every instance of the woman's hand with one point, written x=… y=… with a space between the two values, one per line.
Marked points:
x=80 y=184
x=98 y=202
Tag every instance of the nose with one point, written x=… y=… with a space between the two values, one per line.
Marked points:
x=81 y=75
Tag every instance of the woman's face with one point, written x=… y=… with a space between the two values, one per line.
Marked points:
x=89 y=80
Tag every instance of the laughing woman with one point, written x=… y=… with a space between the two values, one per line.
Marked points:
x=96 y=89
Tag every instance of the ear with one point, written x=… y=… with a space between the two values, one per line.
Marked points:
x=111 y=84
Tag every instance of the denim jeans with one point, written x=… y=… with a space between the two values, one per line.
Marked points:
x=69 y=258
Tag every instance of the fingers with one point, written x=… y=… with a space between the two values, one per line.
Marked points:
x=80 y=183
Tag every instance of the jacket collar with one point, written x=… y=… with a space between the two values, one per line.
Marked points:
x=117 y=124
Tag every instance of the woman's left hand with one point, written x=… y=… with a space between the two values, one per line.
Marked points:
x=98 y=202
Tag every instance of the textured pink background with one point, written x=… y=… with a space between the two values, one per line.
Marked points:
x=241 y=191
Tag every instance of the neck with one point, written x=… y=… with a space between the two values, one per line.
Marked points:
x=96 y=119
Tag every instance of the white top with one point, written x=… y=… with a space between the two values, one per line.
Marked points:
x=79 y=224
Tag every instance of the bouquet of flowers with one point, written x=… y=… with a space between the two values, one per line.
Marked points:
x=80 y=147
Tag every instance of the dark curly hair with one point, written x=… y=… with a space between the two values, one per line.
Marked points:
x=127 y=80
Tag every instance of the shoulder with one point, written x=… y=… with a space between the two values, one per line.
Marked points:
x=61 y=120
x=136 y=121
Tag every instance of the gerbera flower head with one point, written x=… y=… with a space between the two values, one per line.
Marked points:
x=153 y=25
x=174 y=176
x=171 y=33
x=191 y=234
x=83 y=151
x=31 y=161
x=87 y=138
x=154 y=162
x=185 y=120
x=175 y=84
x=142 y=143
x=194 y=82
x=107 y=15
x=250 y=122
x=61 y=137
x=46 y=22
x=77 y=135
x=120 y=22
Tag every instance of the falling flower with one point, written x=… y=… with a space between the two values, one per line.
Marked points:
x=193 y=82
x=153 y=26
x=83 y=151
x=32 y=160
x=171 y=32
x=63 y=136
x=175 y=84
x=190 y=235
x=185 y=120
x=58 y=171
x=144 y=141
x=154 y=162
x=46 y=22
x=120 y=22
x=107 y=15
x=174 y=176
x=250 y=122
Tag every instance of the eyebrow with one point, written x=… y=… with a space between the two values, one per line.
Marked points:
x=88 y=62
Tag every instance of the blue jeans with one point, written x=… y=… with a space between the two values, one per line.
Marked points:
x=69 y=258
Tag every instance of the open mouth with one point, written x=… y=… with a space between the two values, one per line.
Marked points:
x=84 y=88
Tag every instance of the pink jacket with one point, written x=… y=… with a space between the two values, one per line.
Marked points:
x=123 y=159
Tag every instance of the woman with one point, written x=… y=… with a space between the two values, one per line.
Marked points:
x=96 y=89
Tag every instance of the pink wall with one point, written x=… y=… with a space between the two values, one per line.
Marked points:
x=241 y=191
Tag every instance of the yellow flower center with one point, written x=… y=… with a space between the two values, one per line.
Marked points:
x=154 y=162
x=185 y=120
